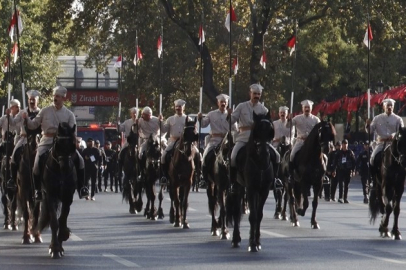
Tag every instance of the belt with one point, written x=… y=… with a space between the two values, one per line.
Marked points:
x=385 y=140
x=23 y=135
x=302 y=138
x=173 y=138
x=214 y=135
x=49 y=135
x=276 y=140
x=245 y=128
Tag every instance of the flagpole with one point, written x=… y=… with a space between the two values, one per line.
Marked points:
x=20 y=55
x=136 y=62
x=160 y=96
x=230 y=102
x=293 y=80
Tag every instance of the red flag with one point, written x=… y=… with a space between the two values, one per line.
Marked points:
x=230 y=18
x=235 y=65
x=159 y=47
x=5 y=66
x=118 y=62
x=16 y=18
x=202 y=38
x=291 y=44
x=14 y=52
x=138 y=56
x=262 y=61
x=368 y=36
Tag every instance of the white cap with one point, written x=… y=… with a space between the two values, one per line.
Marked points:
x=134 y=110
x=147 y=110
x=222 y=97
x=256 y=88
x=180 y=102
x=307 y=102
x=388 y=101
x=283 y=108
x=14 y=102
x=59 y=91
x=33 y=93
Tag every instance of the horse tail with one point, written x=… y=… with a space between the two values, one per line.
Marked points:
x=374 y=205
x=126 y=190
x=233 y=208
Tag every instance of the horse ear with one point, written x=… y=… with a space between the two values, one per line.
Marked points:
x=186 y=119
x=268 y=115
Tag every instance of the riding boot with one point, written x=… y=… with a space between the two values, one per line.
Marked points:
x=83 y=191
x=233 y=179
x=12 y=183
x=37 y=187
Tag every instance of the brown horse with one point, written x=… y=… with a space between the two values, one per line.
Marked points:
x=29 y=207
x=181 y=171
x=386 y=194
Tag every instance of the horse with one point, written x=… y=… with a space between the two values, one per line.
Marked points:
x=310 y=167
x=8 y=197
x=181 y=172
x=255 y=174
x=281 y=194
x=389 y=185
x=29 y=207
x=131 y=186
x=217 y=163
x=150 y=174
x=59 y=183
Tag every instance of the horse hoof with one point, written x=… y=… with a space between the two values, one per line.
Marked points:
x=386 y=235
x=284 y=218
x=27 y=240
x=235 y=244
x=315 y=226
x=246 y=211
x=38 y=239
x=161 y=213
x=56 y=255
x=277 y=216
x=153 y=217
x=176 y=224
x=225 y=236
x=214 y=232
x=13 y=228
x=132 y=211
x=296 y=224
x=186 y=226
x=253 y=248
x=259 y=246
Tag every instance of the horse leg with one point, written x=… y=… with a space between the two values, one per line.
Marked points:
x=316 y=190
x=185 y=204
x=27 y=238
x=387 y=194
x=292 y=206
x=253 y=204
x=4 y=201
x=236 y=201
x=277 y=193
x=396 y=211
x=35 y=219
x=13 y=209
x=212 y=208
x=54 y=247
x=304 y=192
x=176 y=202
x=222 y=218
x=285 y=202
x=161 y=198
x=138 y=195
x=64 y=232
x=153 y=211
x=148 y=195
x=260 y=214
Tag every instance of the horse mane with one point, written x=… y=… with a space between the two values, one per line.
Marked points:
x=311 y=140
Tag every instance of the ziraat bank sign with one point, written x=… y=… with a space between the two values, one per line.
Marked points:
x=93 y=98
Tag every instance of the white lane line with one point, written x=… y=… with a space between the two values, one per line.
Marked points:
x=273 y=234
x=74 y=237
x=121 y=260
x=373 y=257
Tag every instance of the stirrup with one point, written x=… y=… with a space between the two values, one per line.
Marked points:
x=163 y=181
x=278 y=183
x=83 y=193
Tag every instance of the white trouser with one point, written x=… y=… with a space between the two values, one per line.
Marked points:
x=296 y=147
x=143 y=146
x=379 y=147
x=21 y=142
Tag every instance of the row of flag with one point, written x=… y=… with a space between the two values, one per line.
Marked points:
x=15 y=22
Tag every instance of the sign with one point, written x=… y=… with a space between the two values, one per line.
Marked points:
x=83 y=113
x=93 y=98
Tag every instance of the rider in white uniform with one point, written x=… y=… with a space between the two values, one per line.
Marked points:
x=281 y=129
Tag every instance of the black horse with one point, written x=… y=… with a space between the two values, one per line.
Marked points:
x=389 y=185
x=255 y=166
x=29 y=207
x=8 y=193
x=217 y=163
x=281 y=194
x=310 y=167
x=150 y=174
x=181 y=172
x=59 y=183
x=132 y=187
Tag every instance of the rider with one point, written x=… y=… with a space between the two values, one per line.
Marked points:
x=147 y=125
x=49 y=119
x=281 y=129
x=174 y=125
x=14 y=110
x=32 y=110
x=219 y=127
x=385 y=126
x=126 y=128
x=304 y=123
x=243 y=113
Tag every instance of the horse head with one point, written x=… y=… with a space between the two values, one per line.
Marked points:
x=152 y=151
x=33 y=138
x=64 y=146
x=132 y=139
x=327 y=133
x=189 y=136
x=261 y=135
x=399 y=146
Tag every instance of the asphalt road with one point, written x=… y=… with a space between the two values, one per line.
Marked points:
x=106 y=236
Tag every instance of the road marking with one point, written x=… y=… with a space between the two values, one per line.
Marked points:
x=273 y=234
x=74 y=237
x=373 y=257
x=121 y=260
